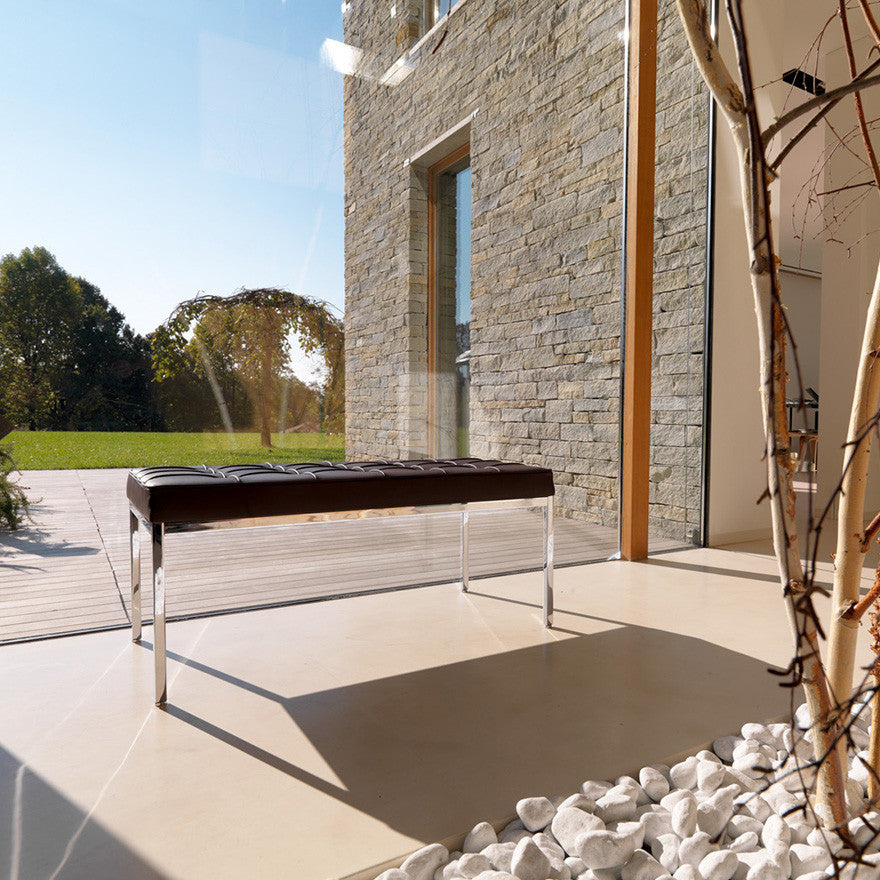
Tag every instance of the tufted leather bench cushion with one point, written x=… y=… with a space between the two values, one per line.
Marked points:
x=212 y=494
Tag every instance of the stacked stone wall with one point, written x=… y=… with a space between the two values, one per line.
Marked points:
x=546 y=79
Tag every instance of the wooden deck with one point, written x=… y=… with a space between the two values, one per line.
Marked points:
x=68 y=571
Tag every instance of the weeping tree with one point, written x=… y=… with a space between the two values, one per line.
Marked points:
x=761 y=156
x=254 y=329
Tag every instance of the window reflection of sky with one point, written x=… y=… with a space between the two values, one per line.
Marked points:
x=169 y=148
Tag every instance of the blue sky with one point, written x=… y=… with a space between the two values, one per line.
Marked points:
x=168 y=147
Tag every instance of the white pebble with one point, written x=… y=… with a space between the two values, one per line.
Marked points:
x=815 y=875
x=674 y=797
x=708 y=755
x=569 y=823
x=471 y=864
x=687 y=872
x=605 y=849
x=656 y=824
x=758 y=808
x=515 y=836
x=827 y=839
x=500 y=855
x=776 y=834
x=615 y=807
x=715 y=811
x=642 y=867
x=759 y=732
x=575 y=865
x=528 y=862
x=594 y=789
x=535 y=812
x=631 y=787
x=806 y=858
x=763 y=868
x=479 y=837
x=495 y=875
x=747 y=842
x=694 y=849
x=655 y=784
x=423 y=862
x=393 y=874
x=740 y=824
x=581 y=801
x=684 y=774
x=709 y=775
x=548 y=844
x=719 y=865
x=635 y=829
x=665 y=850
x=684 y=817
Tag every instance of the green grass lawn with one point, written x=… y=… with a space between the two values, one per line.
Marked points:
x=51 y=450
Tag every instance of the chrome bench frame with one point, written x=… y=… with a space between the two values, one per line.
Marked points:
x=157 y=533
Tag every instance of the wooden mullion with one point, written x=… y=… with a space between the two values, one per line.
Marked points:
x=639 y=279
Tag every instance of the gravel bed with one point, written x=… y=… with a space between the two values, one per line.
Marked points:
x=717 y=815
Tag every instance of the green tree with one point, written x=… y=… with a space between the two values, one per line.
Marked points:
x=251 y=330
x=39 y=305
x=107 y=383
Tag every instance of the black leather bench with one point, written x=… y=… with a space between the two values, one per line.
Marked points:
x=161 y=496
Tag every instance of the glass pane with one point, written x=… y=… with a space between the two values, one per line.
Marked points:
x=453 y=309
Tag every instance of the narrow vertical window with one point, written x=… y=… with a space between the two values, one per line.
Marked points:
x=449 y=303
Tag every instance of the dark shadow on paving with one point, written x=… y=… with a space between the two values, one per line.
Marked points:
x=37 y=824
x=431 y=752
x=36 y=541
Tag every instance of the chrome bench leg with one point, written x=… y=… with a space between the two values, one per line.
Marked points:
x=159 y=613
x=135 y=548
x=465 y=552
x=548 y=562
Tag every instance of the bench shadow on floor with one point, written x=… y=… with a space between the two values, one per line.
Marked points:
x=433 y=751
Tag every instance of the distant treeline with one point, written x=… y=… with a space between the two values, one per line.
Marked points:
x=68 y=361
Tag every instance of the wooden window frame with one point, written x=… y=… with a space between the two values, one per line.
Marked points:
x=434 y=171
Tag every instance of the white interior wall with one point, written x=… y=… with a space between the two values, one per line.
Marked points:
x=803 y=300
x=778 y=34
x=847 y=281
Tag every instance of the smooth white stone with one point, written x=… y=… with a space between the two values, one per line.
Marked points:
x=719 y=865
x=745 y=781
x=558 y=870
x=514 y=837
x=661 y=768
x=694 y=849
x=802 y=717
x=713 y=813
x=860 y=831
x=635 y=829
x=499 y=855
x=642 y=867
x=826 y=839
x=860 y=773
x=776 y=833
x=780 y=800
x=535 y=812
x=757 y=807
x=746 y=842
x=594 y=789
x=479 y=837
x=576 y=866
x=740 y=824
x=814 y=875
x=513 y=825
x=675 y=796
x=684 y=817
x=859 y=737
x=855 y=797
x=800 y=831
x=786 y=736
x=654 y=783
x=495 y=875
x=581 y=801
x=447 y=871
x=656 y=825
x=806 y=858
x=528 y=862
x=684 y=773
x=471 y=864
x=604 y=849
x=393 y=874
x=606 y=873
x=631 y=788
x=423 y=862
x=665 y=850
x=751 y=747
x=759 y=732
x=763 y=868
x=549 y=845
x=709 y=775
x=569 y=823
x=615 y=807
x=753 y=763
x=687 y=872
